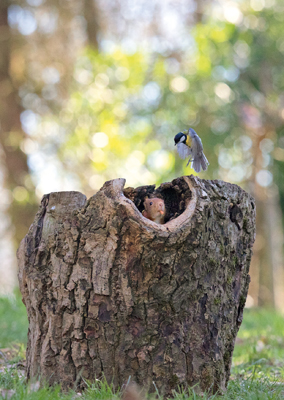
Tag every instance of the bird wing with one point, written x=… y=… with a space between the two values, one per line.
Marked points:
x=199 y=159
x=183 y=150
x=197 y=148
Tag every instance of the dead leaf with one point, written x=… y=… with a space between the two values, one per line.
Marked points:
x=34 y=387
x=7 y=393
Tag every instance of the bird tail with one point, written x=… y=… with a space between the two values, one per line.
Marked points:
x=200 y=161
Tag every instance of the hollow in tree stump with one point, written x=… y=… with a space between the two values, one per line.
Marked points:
x=109 y=292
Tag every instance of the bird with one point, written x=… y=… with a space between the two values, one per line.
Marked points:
x=189 y=145
x=154 y=210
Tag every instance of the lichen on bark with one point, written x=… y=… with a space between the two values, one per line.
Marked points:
x=109 y=292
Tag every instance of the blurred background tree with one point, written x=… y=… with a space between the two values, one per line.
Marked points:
x=92 y=90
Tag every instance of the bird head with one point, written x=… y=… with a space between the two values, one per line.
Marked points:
x=180 y=137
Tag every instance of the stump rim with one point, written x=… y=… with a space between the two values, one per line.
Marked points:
x=171 y=226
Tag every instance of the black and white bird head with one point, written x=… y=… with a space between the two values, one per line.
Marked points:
x=180 y=138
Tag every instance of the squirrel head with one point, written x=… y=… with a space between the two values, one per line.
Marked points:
x=154 y=209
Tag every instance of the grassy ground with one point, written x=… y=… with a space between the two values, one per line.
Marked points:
x=257 y=370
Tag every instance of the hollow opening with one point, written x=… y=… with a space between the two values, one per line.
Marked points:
x=176 y=195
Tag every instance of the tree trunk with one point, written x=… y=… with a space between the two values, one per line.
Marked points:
x=91 y=14
x=109 y=292
x=13 y=160
x=16 y=214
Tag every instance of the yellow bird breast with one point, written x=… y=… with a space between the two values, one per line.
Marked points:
x=188 y=141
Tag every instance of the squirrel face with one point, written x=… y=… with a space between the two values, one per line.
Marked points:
x=154 y=210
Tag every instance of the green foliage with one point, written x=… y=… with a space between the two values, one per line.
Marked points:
x=124 y=109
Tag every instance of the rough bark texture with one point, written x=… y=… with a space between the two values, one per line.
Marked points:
x=110 y=292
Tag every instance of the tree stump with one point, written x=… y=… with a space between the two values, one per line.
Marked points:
x=109 y=292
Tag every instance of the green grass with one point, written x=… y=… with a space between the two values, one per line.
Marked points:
x=260 y=345
x=257 y=368
x=13 y=321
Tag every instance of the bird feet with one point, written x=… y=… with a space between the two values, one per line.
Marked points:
x=190 y=160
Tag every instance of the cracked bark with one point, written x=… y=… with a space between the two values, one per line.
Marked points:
x=109 y=292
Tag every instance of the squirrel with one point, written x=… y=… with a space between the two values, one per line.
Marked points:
x=154 y=210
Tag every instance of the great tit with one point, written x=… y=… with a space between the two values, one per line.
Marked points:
x=189 y=145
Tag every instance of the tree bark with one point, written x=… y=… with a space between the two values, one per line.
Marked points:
x=109 y=292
